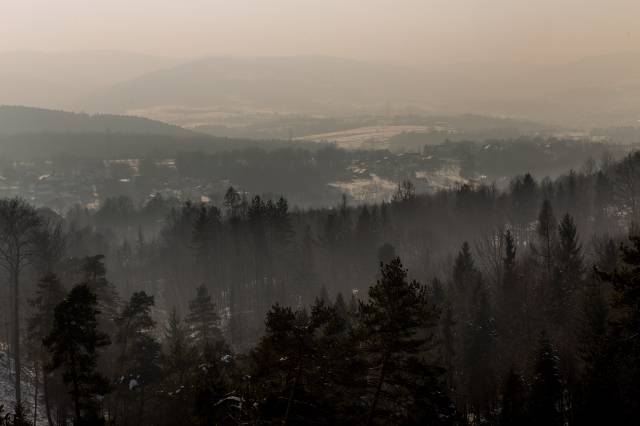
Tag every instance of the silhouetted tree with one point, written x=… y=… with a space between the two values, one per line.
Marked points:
x=20 y=228
x=73 y=343
x=203 y=320
x=398 y=324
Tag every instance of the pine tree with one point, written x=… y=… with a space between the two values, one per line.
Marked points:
x=177 y=363
x=177 y=357
x=448 y=346
x=479 y=354
x=324 y=294
x=386 y=253
x=20 y=417
x=203 y=320
x=139 y=359
x=215 y=399
x=509 y=263
x=546 y=230
x=569 y=269
x=598 y=403
x=405 y=192
x=510 y=298
x=306 y=279
x=206 y=230
x=73 y=344
x=341 y=309
x=397 y=325
x=546 y=404
x=307 y=369
x=607 y=256
x=95 y=275
x=49 y=294
x=282 y=361
x=624 y=342
x=232 y=202
x=281 y=224
x=464 y=269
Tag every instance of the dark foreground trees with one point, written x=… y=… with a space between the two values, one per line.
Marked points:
x=254 y=347
x=397 y=326
x=73 y=343
x=20 y=230
x=407 y=354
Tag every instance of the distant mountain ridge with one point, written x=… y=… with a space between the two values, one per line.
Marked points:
x=595 y=91
x=20 y=119
x=301 y=84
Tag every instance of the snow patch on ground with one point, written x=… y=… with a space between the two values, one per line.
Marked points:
x=444 y=178
x=372 y=189
x=370 y=137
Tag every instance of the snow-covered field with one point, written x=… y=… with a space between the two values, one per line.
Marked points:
x=444 y=178
x=371 y=137
x=371 y=188
x=367 y=189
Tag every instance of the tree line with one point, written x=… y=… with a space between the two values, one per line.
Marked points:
x=527 y=313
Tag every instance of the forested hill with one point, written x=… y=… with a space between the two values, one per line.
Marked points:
x=21 y=119
x=524 y=312
x=27 y=133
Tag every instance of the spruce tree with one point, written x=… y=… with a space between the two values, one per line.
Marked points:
x=203 y=320
x=510 y=300
x=73 y=344
x=509 y=264
x=568 y=269
x=546 y=402
x=464 y=270
x=597 y=401
x=139 y=358
x=177 y=351
x=546 y=230
x=479 y=356
x=625 y=343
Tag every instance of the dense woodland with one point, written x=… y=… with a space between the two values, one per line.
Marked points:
x=470 y=306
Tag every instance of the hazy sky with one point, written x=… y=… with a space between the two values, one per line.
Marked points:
x=407 y=31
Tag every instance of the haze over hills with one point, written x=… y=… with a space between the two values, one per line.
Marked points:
x=311 y=84
x=61 y=79
x=594 y=91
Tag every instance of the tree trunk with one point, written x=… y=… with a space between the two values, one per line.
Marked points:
x=47 y=404
x=35 y=394
x=16 y=335
x=374 y=404
x=76 y=399
x=291 y=394
x=141 y=408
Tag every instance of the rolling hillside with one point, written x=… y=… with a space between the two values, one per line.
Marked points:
x=18 y=119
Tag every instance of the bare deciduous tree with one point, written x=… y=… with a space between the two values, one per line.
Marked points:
x=20 y=228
